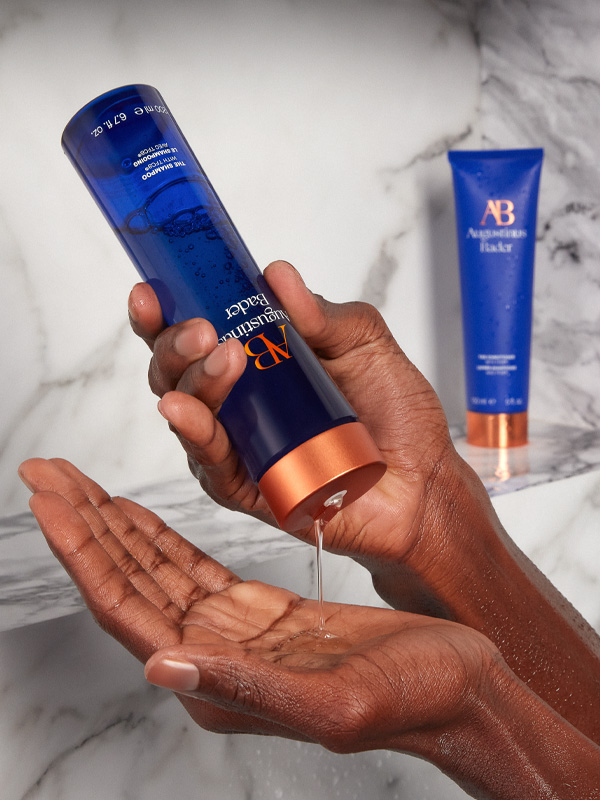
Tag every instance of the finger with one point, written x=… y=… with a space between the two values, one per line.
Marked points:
x=305 y=308
x=212 y=576
x=185 y=573
x=144 y=563
x=201 y=434
x=213 y=460
x=331 y=329
x=239 y=680
x=114 y=601
x=212 y=378
x=51 y=476
x=145 y=314
x=176 y=673
x=390 y=395
x=175 y=349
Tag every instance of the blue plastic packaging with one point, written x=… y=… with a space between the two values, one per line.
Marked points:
x=496 y=194
x=146 y=180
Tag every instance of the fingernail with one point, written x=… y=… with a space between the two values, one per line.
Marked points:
x=296 y=273
x=164 y=413
x=131 y=309
x=20 y=472
x=170 y=673
x=215 y=364
x=188 y=342
x=25 y=481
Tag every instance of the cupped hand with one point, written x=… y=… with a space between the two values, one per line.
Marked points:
x=249 y=657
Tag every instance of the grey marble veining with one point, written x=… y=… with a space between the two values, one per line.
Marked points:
x=33 y=587
x=77 y=717
x=86 y=724
x=426 y=78
x=324 y=126
x=335 y=162
x=541 y=87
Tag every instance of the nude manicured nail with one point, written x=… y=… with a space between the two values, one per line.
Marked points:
x=188 y=342
x=216 y=363
x=24 y=479
x=161 y=409
x=170 y=673
x=133 y=315
x=297 y=275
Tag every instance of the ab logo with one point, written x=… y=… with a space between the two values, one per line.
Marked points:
x=272 y=354
x=501 y=211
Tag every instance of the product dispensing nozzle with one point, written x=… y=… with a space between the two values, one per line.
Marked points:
x=313 y=480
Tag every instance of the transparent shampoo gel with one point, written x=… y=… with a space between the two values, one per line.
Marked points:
x=297 y=435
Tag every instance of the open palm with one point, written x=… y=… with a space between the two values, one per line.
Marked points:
x=264 y=666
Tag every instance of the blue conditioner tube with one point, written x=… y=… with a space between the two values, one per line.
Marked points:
x=297 y=435
x=496 y=195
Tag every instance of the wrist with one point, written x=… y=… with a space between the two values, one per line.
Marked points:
x=473 y=573
x=511 y=744
x=455 y=538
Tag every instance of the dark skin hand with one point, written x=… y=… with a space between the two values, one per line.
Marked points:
x=151 y=589
x=244 y=656
x=427 y=532
x=405 y=418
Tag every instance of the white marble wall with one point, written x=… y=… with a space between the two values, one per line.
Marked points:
x=324 y=125
x=541 y=84
x=306 y=116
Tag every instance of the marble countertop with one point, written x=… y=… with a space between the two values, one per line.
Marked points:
x=35 y=588
x=554 y=452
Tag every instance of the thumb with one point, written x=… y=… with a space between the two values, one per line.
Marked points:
x=330 y=329
x=234 y=678
x=305 y=700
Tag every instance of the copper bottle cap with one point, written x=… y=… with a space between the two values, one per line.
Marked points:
x=343 y=462
x=497 y=430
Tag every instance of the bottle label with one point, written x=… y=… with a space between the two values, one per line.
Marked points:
x=273 y=353
x=262 y=311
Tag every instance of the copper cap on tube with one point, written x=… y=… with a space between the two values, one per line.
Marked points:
x=342 y=463
x=497 y=430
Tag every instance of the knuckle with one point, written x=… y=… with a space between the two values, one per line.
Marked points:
x=155 y=378
x=348 y=723
x=373 y=324
x=191 y=381
x=364 y=331
x=163 y=372
x=348 y=726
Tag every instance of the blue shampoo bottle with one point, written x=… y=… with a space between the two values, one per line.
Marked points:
x=297 y=435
